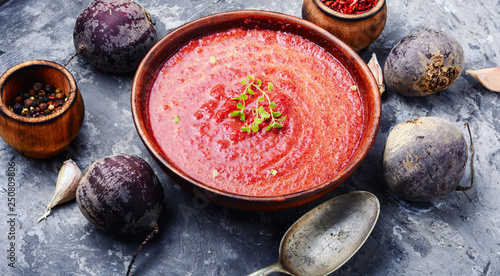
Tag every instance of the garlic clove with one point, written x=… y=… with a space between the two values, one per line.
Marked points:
x=377 y=73
x=67 y=181
x=488 y=77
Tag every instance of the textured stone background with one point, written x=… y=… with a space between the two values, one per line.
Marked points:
x=457 y=235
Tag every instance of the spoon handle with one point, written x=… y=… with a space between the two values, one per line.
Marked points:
x=268 y=270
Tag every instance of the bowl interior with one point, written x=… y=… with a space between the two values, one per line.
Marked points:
x=350 y=17
x=172 y=42
x=22 y=77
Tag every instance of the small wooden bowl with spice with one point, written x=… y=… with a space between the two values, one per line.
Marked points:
x=358 y=23
x=35 y=118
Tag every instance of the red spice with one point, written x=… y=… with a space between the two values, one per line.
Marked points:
x=350 y=6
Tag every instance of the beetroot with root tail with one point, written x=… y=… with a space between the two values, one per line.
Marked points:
x=122 y=195
x=114 y=35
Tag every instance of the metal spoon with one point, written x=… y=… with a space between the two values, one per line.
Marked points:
x=326 y=237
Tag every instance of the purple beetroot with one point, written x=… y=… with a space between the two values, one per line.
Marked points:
x=423 y=63
x=114 y=35
x=122 y=195
x=424 y=159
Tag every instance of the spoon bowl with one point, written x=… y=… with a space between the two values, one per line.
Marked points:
x=326 y=237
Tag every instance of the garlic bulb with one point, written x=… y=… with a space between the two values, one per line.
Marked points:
x=488 y=77
x=67 y=181
x=377 y=73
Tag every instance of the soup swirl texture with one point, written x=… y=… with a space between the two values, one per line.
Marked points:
x=191 y=101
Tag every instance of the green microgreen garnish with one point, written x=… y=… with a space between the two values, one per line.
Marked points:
x=259 y=111
x=213 y=59
x=176 y=119
x=215 y=173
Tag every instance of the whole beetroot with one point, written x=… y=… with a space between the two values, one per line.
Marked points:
x=121 y=194
x=114 y=35
x=423 y=63
x=424 y=159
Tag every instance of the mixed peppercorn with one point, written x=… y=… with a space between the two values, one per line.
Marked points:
x=39 y=101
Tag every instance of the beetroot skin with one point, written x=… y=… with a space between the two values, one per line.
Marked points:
x=120 y=194
x=423 y=63
x=424 y=159
x=114 y=35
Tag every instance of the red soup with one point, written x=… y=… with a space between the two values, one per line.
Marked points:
x=192 y=99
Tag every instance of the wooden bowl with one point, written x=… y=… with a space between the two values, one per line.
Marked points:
x=357 y=30
x=172 y=42
x=44 y=136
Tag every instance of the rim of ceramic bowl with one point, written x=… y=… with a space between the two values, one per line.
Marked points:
x=351 y=17
x=4 y=108
x=198 y=26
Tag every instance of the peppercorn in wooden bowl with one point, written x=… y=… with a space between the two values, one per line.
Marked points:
x=356 y=28
x=35 y=118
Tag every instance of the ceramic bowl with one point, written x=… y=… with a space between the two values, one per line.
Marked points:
x=173 y=41
x=44 y=136
x=356 y=30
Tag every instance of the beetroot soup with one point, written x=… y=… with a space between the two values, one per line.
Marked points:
x=192 y=98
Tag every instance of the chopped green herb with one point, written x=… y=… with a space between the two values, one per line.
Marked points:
x=215 y=173
x=274 y=172
x=213 y=59
x=252 y=84
x=354 y=87
x=176 y=119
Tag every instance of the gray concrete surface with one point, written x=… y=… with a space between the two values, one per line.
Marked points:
x=456 y=235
